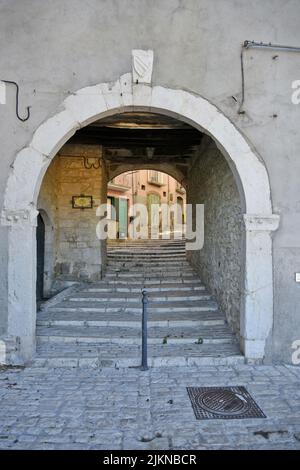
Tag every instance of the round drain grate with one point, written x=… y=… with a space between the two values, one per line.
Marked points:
x=223 y=402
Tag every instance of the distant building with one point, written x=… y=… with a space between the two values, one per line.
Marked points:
x=142 y=187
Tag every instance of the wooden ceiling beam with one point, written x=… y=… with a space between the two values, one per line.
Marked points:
x=134 y=161
x=120 y=138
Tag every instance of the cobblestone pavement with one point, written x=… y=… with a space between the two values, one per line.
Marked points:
x=67 y=408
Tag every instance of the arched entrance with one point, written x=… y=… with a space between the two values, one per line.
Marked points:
x=93 y=103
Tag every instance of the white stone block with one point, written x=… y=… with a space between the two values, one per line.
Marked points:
x=197 y=110
x=112 y=95
x=53 y=133
x=2 y=352
x=29 y=166
x=87 y=105
x=142 y=96
x=253 y=349
x=126 y=89
x=165 y=99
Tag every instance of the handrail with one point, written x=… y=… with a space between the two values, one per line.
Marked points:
x=144 y=365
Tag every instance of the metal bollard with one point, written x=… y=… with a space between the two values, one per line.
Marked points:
x=144 y=365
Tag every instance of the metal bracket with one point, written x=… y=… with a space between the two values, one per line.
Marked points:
x=95 y=165
x=10 y=82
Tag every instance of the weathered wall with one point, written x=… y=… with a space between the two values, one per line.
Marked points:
x=76 y=250
x=60 y=46
x=79 y=255
x=219 y=262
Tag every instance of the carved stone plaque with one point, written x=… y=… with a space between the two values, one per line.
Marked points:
x=142 y=65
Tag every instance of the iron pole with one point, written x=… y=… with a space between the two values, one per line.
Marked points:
x=144 y=365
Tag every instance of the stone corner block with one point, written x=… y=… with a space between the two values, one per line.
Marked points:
x=253 y=349
x=9 y=351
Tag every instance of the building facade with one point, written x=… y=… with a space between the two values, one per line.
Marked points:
x=170 y=86
x=145 y=187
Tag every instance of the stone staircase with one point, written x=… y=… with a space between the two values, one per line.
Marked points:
x=99 y=325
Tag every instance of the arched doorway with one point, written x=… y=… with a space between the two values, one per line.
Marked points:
x=92 y=103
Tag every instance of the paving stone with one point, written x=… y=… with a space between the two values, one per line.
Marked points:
x=117 y=415
x=82 y=393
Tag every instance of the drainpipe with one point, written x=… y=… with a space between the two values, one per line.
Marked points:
x=259 y=45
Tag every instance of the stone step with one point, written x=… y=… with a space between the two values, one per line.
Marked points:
x=145 y=268
x=153 y=280
x=164 y=250
x=144 y=255
x=156 y=269
x=149 y=275
x=146 y=249
x=171 y=287
x=159 y=307
x=119 y=356
x=182 y=319
x=150 y=257
x=136 y=298
x=164 y=243
x=127 y=335
x=147 y=255
x=148 y=264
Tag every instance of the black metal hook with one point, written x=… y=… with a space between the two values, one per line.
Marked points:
x=96 y=165
x=17 y=101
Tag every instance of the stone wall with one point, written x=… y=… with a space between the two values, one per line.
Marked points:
x=220 y=261
x=77 y=252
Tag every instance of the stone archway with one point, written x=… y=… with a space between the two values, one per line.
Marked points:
x=93 y=103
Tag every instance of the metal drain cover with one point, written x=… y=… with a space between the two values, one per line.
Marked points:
x=223 y=403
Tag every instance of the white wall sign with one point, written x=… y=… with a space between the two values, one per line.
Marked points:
x=2 y=93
